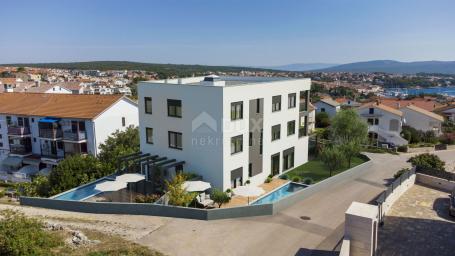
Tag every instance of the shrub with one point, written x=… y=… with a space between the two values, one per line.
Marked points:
x=147 y=198
x=20 y=235
x=448 y=138
x=427 y=161
x=284 y=177
x=39 y=186
x=402 y=148
x=268 y=180
x=177 y=195
x=220 y=197
x=399 y=173
x=322 y=120
x=307 y=181
x=247 y=182
x=296 y=179
x=2 y=193
x=228 y=190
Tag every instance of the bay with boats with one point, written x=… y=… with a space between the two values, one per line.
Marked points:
x=403 y=92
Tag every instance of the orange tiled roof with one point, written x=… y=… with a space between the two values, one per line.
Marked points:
x=428 y=105
x=8 y=80
x=77 y=106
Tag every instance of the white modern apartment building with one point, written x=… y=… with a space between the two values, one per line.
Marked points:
x=384 y=123
x=41 y=129
x=226 y=129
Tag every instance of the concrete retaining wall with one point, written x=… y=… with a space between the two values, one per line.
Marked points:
x=435 y=182
x=193 y=213
x=421 y=150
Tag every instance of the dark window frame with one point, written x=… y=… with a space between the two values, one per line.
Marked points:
x=275 y=133
x=172 y=108
x=276 y=103
x=175 y=135
x=292 y=100
x=293 y=129
x=147 y=105
x=236 y=114
x=237 y=147
x=147 y=129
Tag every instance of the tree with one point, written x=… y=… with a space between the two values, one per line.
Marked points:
x=178 y=196
x=322 y=120
x=350 y=150
x=348 y=131
x=347 y=126
x=39 y=186
x=426 y=160
x=333 y=158
x=20 y=69
x=74 y=171
x=118 y=144
x=220 y=197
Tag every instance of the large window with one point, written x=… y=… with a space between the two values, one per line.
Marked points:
x=175 y=140
x=276 y=132
x=371 y=111
x=236 y=110
x=291 y=127
x=236 y=144
x=373 y=121
x=275 y=162
x=292 y=100
x=174 y=108
x=148 y=105
x=149 y=135
x=288 y=158
x=276 y=103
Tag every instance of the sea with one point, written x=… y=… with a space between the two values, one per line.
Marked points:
x=446 y=91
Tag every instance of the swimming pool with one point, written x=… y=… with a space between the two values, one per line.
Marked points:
x=81 y=193
x=279 y=193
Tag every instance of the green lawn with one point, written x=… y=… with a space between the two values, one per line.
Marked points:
x=316 y=170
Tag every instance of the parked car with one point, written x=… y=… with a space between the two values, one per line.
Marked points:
x=452 y=203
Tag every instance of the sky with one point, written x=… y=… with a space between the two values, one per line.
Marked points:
x=227 y=32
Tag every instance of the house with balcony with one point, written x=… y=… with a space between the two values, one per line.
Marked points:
x=229 y=130
x=384 y=124
x=41 y=129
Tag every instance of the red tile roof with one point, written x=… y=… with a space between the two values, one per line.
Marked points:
x=426 y=104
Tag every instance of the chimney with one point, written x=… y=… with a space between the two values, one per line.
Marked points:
x=37 y=83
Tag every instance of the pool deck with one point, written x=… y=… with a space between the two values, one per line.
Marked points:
x=242 y=201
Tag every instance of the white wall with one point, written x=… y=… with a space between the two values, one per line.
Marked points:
x=215 y=162
x=329 y=109
x=4 y=134
x=420 y=121
x=111 y=120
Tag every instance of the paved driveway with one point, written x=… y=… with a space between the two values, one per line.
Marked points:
x=310 y=227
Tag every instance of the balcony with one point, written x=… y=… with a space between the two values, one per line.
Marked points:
x=20 y=149
x=303 y=107
x=371 y=115
x=52 y=134
x=15 y=130
x=74 y=136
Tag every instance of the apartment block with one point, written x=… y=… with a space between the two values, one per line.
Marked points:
x=227 y=129
x=41 y=129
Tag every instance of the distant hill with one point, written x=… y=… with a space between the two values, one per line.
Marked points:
x=391 y=66
x=301 y=66
x=164 y=70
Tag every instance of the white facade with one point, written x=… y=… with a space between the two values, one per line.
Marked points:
x=207 y=128
x=422 y=120
x=383 y=124
x=330 y=108
x=27 y=137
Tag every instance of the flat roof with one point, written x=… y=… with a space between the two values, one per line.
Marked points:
x=228 y=80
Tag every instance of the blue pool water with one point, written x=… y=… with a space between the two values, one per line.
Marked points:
x=280 y=193
x=81 y=192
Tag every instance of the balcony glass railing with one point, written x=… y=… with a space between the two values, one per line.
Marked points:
x=18 y=130
x=74 y=136
x=20 y=149
x=50 y=133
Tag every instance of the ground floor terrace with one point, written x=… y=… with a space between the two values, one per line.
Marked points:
x=418 y=224
x=313 y=226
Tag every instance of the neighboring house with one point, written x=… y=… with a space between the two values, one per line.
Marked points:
x=226 y=129
x=74 y=87
x=327 y=105
x=447 y=111
x=384 y=123
x=7 y=84
x=422 y=120
x=348 y=103
x=41 y=129
x=46 y=88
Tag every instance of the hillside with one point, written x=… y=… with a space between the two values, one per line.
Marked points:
x=164 y=70
x=391 y=66
x=301 y=66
